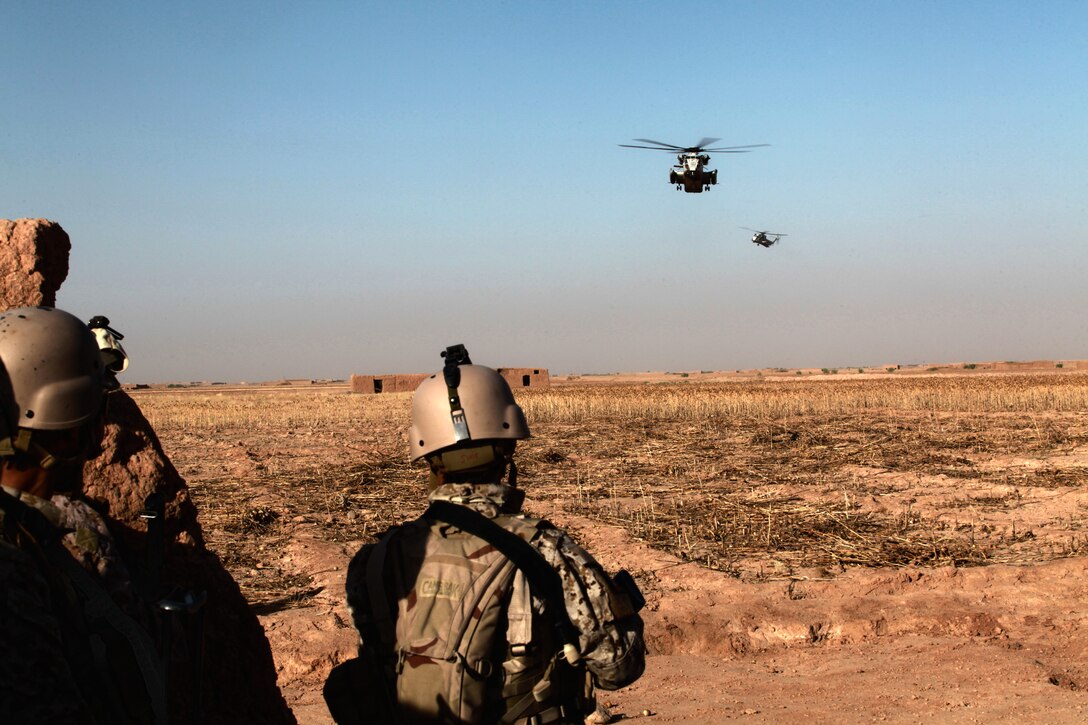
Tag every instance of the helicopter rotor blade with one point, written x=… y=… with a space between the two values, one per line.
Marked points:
x=734 y=149
x=699 y=147
x=652 y=148
x=659 y=143
x=763 y=232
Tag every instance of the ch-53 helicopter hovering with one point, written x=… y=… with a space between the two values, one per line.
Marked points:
x=764 y=239
x=691 y=174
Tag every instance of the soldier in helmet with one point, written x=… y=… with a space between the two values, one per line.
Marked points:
x=70 y=650
x=474 y=612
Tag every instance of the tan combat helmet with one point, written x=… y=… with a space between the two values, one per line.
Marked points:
x=114 y=356
x=465 y=407
x=54 y=370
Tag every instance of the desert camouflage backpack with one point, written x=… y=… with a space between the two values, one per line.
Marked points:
x=467 y=645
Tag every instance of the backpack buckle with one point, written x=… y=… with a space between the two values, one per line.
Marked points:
x=481 y=668
x=401 y=656
x=484 y=668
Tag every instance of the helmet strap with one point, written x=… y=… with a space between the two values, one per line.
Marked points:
x=451 y=373
x=21 y=443
x=516 y=499
x=25 y=444
x=45 y=459
x=457 y=414
x=22 y=440
x=435 y=478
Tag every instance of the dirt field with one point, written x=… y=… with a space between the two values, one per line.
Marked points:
x=838 y=549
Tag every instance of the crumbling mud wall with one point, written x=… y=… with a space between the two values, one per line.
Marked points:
x=33 y=262
x=239 y=676
x=386 y=383
x=1027 y=366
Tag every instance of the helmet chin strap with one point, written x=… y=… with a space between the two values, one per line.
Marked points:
x=517 y=497
x=24 y=442
x=45 y=459
x=48 y=460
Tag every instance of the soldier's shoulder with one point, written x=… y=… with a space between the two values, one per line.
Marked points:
x=553 y=542
x=77 y=513
x=532 y=521
x=386 y=533
x=358 y=561
x=532 y=528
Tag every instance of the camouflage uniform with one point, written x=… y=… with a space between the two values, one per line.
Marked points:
x=47 y=668
x=91 y=544
x=609 y=629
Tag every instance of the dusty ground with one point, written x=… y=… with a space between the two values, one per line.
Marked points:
x=896 y=565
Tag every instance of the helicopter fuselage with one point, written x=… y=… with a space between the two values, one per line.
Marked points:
x=691 y=174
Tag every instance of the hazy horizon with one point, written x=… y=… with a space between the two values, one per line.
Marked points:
x=841 y=371
x=263 y=191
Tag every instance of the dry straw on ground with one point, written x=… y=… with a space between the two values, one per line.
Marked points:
x=760 y=478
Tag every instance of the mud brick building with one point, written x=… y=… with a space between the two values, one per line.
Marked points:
x=526 y=377
x=406 y=383
x=386 y=383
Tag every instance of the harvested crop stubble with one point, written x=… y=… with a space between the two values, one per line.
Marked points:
x=775 y=399
x=758 y=478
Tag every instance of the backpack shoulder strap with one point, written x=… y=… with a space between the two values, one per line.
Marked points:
x=542 y=578
x=380 y=613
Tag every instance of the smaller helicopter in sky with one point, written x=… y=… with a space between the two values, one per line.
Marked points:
x=765 y=239
x=690 y=173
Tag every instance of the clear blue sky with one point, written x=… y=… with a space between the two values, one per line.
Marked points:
x=257 y=190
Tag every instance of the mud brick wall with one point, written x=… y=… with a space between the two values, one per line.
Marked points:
x=33 y=262
x=406 y=383
x=401 y=383
x=526 y=377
